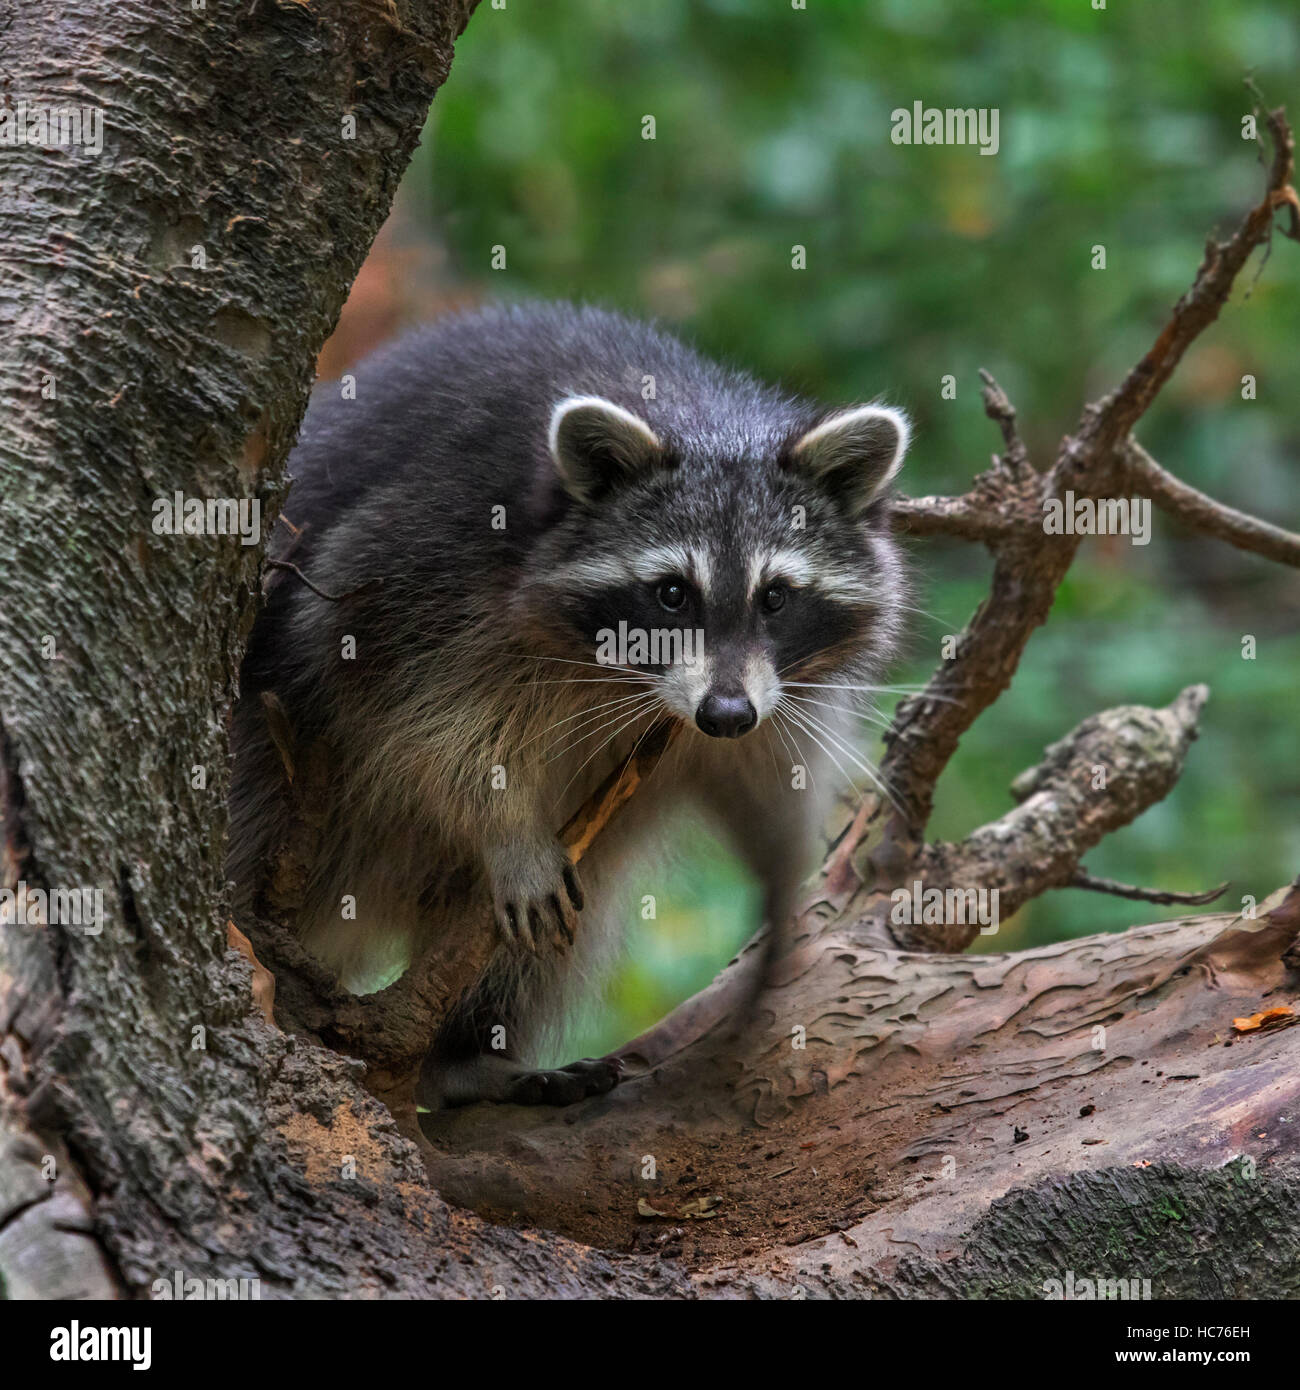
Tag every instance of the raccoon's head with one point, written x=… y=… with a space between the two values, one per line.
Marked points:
x=724 y=564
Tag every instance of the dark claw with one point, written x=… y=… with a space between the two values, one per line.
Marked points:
x=573 y=886
x=557 y=911
x=520 y=929
x=535 y=926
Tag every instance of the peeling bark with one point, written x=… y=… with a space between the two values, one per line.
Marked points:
x=945 y=1125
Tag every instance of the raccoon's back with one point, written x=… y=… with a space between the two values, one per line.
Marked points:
x=453 y=418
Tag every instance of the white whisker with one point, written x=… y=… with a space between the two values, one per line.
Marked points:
x=871 y=715
x=798 y=756
x=597 y=713
x=794 y=717
x=871 y=771
x=917 y=693
x=626 y=724
x=595 y=665
x=596 y=680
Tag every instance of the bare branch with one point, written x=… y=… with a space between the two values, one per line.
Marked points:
x=1029 y=563
x=975 y=516
x=1204 y=514
x=998 y=407
x=968 y=518
x=995 y=507
x=927 y=727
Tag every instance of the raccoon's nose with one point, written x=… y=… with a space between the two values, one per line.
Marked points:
x=726 y=716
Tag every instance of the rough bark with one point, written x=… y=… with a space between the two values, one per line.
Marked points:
x=228 y=135
x=151 y=1120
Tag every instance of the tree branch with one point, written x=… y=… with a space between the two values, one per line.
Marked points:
x=1145 y=895
x=969 y=518
x=1202 y=513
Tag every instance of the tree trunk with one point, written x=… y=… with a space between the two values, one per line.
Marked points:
x=884 y=1122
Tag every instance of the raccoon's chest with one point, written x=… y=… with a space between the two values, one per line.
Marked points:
x=571 y=776
x=758 y=764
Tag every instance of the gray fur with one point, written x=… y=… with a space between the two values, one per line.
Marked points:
x=470 y=653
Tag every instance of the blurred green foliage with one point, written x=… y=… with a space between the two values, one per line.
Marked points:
x=1120 y=127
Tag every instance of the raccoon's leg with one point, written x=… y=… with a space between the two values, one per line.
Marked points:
x=473 y=1057
x=773 y=827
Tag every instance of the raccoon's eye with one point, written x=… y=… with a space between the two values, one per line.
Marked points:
x=671 y=593
x=774 y=597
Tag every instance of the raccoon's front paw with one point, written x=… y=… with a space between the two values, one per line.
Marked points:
x=536 y=896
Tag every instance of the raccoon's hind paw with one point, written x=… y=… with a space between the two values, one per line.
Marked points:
x=593 y=1076
x=536 y=898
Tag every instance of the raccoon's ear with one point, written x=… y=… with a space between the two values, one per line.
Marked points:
x=598 y=445
x=854 y=454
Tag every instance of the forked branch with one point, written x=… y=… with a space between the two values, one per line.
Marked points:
x=1005 y=511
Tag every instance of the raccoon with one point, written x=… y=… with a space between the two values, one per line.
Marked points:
x=556 y=526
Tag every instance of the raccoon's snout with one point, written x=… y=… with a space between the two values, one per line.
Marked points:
x=726 y=716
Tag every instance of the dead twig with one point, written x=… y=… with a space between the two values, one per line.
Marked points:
x=320 y=593
x=579 y=833
x=998 y=407
x=1183 y=502
x=1163 y=897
